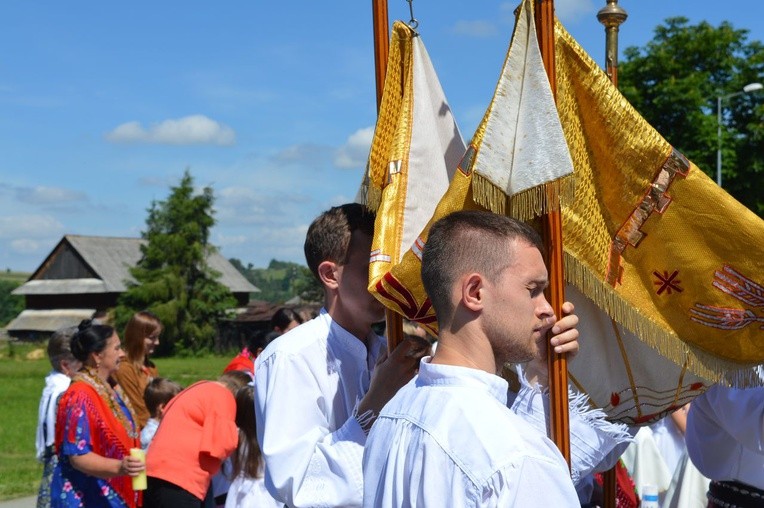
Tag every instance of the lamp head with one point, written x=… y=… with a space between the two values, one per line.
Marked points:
x=752 y=87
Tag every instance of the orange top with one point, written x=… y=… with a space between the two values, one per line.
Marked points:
x=197 y=432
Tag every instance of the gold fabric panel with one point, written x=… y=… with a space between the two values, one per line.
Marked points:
x=392 y=134
x=648 y=232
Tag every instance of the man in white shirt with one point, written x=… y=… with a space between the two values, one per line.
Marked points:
x=725 y=441
x=318 y=387
x=447 y=438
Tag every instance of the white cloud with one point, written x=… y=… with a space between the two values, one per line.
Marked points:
x=27 y=245
x=303 y=153
x=26 y=239
x=42 y=195
x=222 y=240
x=570 y=11
x=189 y=130
x=30 y=226
x=355 y=152
x=477 y=28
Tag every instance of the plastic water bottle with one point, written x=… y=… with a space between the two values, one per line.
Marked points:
x=649 y=497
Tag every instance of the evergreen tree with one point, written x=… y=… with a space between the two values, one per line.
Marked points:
x=173 y=278
x=10 y=305
x=674 y=82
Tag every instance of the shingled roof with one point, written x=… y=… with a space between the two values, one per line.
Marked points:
x=102 y=265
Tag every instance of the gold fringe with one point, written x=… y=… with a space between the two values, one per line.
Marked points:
x=667 y=343
x=486 y=194
x=527 y=204
x=372 y=198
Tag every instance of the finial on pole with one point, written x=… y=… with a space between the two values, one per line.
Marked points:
x=612 y=15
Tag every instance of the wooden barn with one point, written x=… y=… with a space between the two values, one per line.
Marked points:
x=87 y=273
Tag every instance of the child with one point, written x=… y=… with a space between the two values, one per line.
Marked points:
x=157 y=394
x=198 y=432
x=56 y=382
x=248 y=489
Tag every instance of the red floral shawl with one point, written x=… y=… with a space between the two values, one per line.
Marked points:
x=108 y=436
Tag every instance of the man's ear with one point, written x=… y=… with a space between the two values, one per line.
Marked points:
x=327 y=273
x=472 y=291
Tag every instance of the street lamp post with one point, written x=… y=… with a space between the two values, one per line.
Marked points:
x=751 y=87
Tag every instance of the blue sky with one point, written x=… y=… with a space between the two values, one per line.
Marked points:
x=103 y=105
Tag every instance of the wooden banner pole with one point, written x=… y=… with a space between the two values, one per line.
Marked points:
x=394 y=322
x=558 y=364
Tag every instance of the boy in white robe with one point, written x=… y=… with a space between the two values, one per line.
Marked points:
x=447 y=438
x=318 y=385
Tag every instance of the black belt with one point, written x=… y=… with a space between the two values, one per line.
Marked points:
x=734 y=495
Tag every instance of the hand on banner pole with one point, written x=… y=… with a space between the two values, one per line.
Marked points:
x=563 y=337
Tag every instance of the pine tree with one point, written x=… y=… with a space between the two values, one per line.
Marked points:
x=173 y=278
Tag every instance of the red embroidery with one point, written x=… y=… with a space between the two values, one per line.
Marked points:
x=405 y=300
x=735 y=284
x=667 y=283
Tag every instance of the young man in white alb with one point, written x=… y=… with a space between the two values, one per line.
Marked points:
x=447 y=438
x=318 y=386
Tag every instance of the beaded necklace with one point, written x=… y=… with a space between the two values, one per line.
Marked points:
x=109 y=395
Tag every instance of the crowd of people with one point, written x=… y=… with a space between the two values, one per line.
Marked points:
x=318 y=412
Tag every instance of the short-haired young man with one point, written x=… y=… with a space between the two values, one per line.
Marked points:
x=447 y=438
x=318 y=387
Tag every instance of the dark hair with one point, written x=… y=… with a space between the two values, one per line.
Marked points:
x=89 y=339
x=59 y=346
x=283 y=317
x=260 y=339
x=328 y=237
x=468 y=241
x=159 y=391
x=248 y=456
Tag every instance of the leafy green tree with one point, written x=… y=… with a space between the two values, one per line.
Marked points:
x=10 y=305
x=281 y=281
x=173 y=278
x=674 y=81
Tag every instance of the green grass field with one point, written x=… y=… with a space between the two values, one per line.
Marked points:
x=19 y=277
x=21 y=383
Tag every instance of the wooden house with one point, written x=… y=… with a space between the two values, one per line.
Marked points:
x=87 y=273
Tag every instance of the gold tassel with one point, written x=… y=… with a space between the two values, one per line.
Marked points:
x=373 y=198
x=527 y=204
x=487 y=195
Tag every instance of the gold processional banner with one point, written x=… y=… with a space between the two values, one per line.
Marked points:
x=415 y=129
x=503 y=172
x=663 y=265
x=673 y=260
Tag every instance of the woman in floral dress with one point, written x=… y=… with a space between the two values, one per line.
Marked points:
x=95 y=429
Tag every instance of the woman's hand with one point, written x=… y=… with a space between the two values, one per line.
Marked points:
x=131 y=466
x=103 y=467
